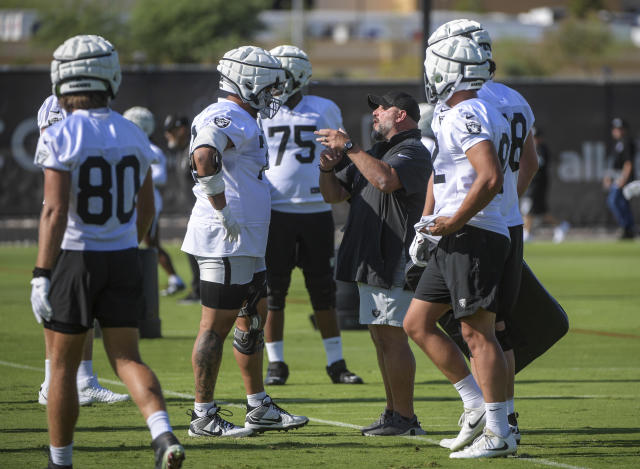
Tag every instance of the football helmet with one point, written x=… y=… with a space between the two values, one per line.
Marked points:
x=463 y=27
x=454 y=64
x=85 y=63
x=297 y=67
x=256 y=76
x=142 y=117
x=426 y=116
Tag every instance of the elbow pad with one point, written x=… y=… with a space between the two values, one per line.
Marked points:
x=212 y=185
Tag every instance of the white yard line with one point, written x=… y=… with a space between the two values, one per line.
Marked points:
x=166 y=392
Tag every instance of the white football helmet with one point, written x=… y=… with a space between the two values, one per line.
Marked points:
x=426 y=116
x=85 y=63
x=142 y=117
x=463 y=27
x=454 y=64
x=254 y=75
x=296 y=65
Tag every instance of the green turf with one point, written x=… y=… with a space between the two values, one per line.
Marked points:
x=578 y=404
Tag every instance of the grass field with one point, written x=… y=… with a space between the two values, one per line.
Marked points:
x=579 y=404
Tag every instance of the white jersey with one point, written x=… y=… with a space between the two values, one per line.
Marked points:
x=246 y=189
x=458 y=129
x=108 y=157
x=159 y=176
x=520 y=117
x=50 y=112
x=294 y=154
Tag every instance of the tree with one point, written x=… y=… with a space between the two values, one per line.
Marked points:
x=184 y=31
x=582 y=8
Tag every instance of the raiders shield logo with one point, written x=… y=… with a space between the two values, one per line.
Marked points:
x=473 y=127
x=222 y=122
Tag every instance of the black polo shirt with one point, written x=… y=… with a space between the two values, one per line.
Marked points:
x=380 y=225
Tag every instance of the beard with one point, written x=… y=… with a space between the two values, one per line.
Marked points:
x=379 y=132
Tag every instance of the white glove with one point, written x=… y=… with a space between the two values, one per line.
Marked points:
x=419 y=250
x=231 y=226
x=40 y=299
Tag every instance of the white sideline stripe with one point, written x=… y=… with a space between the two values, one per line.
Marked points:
x=543 y=462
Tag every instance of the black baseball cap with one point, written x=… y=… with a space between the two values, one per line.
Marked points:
x=399 y=99
x=172 y=121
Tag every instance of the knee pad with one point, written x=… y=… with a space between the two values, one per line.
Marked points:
x=249 y=342
x=452 y=327
x=322 y=290
x=504 y=339
x=278 y=287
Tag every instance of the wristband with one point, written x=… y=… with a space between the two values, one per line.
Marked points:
x=38 y=272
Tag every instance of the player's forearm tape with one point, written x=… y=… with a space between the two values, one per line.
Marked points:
x=211 y=136
x=212 y=185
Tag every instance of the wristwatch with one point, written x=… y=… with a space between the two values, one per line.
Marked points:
x=347 y=146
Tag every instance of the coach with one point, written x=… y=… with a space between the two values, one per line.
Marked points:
x=386 y=188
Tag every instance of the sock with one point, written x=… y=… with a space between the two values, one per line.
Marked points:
x=469 y=392
x=47 y=373
x=175 y=280
x=497 y=418
x=511 y=409
x=333 y=349
x=275 y=351
x=85 y=370
x=158 y=423
x=255 y=400
x=61 y=456
x=201 y=408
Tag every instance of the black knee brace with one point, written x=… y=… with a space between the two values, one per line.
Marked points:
x=248 y=343
x=322 y=290
x=504 y=339
x=252 y=341
x=257 y=291
x=278 y=287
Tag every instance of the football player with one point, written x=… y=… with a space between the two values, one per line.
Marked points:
x=143 y=118
x=519 y=171
x=89 y=389
x=227 y=233
x=464 y=209
x=301 y=231
x=98 y=204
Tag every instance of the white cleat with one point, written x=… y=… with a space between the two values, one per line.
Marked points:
x=214 y=425
x=488 y=445
x=269 y=416
x=42 y=394
x=90 y=391
x=471 y=424
x=560 y=232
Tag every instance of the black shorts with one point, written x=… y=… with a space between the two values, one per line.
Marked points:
x=302 y=240
x=538 y=196
x=102 y=285
x=510 y=283
x=465 y=271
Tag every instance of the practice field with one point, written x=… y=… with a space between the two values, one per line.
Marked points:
x=579 y=404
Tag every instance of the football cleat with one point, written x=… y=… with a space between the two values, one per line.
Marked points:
x=513 y=425
x=172 y=289
x=472 y=423
x=213 y=424
x=384 y=417
x=90 y=391
x=42 y=394
x=168 y=450
x=488 y=445
x=277 y=373
x=338 y=373
x=52 y=465
x=270 y=416
x=397 y=425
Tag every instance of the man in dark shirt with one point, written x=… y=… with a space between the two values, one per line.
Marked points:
x=386 y=187
x=621 y=173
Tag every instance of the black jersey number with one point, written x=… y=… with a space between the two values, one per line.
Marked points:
x=518 y=136
x=127 y=184
x=297 y=137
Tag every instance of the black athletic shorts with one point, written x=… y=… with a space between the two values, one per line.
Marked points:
x=538 y=196
x=510 y=283
x=102 y=285
x=302 y=240
x=465 y=271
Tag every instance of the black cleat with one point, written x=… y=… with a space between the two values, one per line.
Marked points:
x=51 y=465
x=277 y=373
x=513 y=426
x=169 y=451
x=338 y=373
